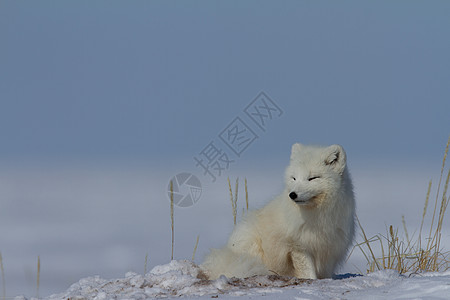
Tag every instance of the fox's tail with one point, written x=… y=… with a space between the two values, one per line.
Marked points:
x=231 y=264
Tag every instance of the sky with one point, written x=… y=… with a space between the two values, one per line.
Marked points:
x=158 y=80
x=109 y=99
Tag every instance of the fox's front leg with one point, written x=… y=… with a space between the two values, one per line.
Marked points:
x=304 y=267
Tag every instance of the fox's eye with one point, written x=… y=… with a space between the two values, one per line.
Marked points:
x=313 y=177
x=293 y=178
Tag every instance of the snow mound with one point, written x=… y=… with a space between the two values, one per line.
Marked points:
x=184 y=278
x=178 y=278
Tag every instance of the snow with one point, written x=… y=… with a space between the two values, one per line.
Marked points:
x=180 y=278
x=87 y=222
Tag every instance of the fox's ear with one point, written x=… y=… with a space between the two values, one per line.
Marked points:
x=295 y=150
x=335 y=157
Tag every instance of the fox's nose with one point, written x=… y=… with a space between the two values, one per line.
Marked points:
x=293 y=195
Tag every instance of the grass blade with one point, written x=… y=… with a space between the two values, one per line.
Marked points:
x=195 y=248
x=38 y=281
x=172 y=217
x=3 y=277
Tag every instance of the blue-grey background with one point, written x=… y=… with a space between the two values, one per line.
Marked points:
x=150 y=79
x=136 y=89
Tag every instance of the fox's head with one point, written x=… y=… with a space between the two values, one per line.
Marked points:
x=315 y=174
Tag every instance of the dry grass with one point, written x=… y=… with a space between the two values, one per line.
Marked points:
x=195 y=248
x=172 y=217
x=146 y=264
x=38 y=280
x=3 y=277
x=234 y=199
x=246 y=194
x=412 y=256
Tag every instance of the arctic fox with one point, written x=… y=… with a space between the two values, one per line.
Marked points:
x=305 y=232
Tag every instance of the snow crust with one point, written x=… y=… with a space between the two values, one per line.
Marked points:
x=182 y=278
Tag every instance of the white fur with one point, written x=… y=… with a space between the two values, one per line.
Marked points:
x=306 y=238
